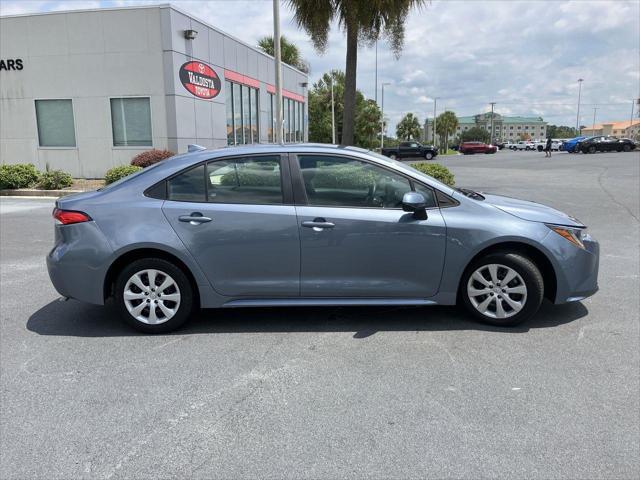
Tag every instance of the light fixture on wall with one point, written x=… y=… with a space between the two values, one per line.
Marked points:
x=190 y=34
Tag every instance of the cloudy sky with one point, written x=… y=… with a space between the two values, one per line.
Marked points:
x=524 y=55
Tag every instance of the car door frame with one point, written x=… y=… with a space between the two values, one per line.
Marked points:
x=301 y=200
x=287 y=201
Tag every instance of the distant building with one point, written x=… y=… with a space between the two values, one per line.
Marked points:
x=504 y=128
x=624 y=129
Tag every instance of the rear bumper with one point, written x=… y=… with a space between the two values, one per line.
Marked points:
x=77 y=263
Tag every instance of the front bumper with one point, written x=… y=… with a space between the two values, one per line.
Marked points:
x=576 y=269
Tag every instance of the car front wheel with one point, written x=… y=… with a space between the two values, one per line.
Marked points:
x=393 y=156
x=627 y=148
x=153 y=295
x=428 y=155
x=502 y=289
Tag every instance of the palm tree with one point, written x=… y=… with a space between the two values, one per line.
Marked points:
x=447 y=122
x=290 y=52
x=408 y=128
x=364 y=20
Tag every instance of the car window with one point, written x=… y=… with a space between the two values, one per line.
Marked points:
x=427 y=193
x=246 y=180
x=414 y=145
x=345 y=182
x=187 y=186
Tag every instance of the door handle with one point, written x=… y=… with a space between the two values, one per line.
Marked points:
x=318 y=224
x=195 y=218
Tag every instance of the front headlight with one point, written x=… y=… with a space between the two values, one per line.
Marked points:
x=574 y=235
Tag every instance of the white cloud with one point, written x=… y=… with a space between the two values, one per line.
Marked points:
x=526 y=55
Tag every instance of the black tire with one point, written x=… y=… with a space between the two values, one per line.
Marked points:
x=185 y=307
x=592 y=149
x=530 y=275
x=428 y=156
x=393 y=156
x=626 y=148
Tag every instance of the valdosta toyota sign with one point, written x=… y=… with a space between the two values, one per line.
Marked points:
x=200 y=79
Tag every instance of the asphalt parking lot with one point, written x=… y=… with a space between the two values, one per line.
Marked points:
x=335 y=393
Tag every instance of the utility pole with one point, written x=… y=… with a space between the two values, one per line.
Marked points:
x=492 y=105
x=633 y=102
x=580 y=80
x=593 y=128
x=333 y=113
x=382 y=118
x=435 y=102
x=278 y=67
x=376 y=95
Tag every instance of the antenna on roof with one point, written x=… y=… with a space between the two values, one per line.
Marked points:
x=195 y=148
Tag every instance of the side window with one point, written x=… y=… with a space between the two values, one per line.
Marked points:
x=344 y=182
x=188 y=186
x=427 y=193
x=247 y=180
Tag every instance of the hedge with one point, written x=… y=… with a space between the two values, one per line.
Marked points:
x=437 y=171
x=116 y=173
x=20 y=175
x=55 y=180
x=150 y=157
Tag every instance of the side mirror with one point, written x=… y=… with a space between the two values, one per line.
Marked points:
x=414 y=202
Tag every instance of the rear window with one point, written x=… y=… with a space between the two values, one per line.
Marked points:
x=188 y=186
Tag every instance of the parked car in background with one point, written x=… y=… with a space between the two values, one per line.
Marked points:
x=510 y=145
x=410 y=150
x=605 y=144
x=497 y=143
x=311 y=225
x=542 y=144
x=570 y=144
x=468 y=148
x=525 y=145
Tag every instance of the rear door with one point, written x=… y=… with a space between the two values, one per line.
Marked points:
x=355 y=238
x=236 y=217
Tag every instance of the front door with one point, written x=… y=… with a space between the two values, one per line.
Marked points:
x=355 y=238
x=232 y=216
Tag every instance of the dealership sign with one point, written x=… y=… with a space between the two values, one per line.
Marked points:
x=11 y=64
x=200 y=79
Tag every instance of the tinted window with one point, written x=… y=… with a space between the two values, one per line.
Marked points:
x=55 y=123
x=188 y=186
x=344 y=182
x=252 y=180
x=131 y=122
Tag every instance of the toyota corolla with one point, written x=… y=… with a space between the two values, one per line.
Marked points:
x=311 y=225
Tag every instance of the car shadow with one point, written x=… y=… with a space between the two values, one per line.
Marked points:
x=73 y=318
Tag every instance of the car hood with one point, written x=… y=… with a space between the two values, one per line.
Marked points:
x=532 y=211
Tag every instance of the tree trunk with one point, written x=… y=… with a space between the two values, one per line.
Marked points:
x=348 y=115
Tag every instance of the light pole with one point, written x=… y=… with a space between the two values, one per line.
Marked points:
x=580 y=80
x=333 y=113
x=382 y=119
x=376 y=95
x=492 y=105
x=278 y=67
x=593 y=128
x=435 y=102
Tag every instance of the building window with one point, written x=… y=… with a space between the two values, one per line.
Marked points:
x=55 y=123
x=292 y=120
x=242 y=114
x=511 y=127
x=131 y=122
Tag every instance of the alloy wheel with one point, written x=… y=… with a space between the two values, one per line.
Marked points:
x=151 y=296
x=497 y=291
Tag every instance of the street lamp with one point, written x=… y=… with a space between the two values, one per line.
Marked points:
x=382 y=119
x=580 y=80
x=333 y=113
x=435 y=102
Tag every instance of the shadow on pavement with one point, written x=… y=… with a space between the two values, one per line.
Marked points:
x=73 y=318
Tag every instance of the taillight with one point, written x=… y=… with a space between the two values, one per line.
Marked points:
x=67 y=217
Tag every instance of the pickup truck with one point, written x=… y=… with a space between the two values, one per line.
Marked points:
x=410 y=150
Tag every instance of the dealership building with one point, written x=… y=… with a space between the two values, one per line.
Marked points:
x=84 y=91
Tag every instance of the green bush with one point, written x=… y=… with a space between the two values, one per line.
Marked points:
x=343 y=176
x=437 y=171
x=20 y=175
x=116 y=173
x=55 y=180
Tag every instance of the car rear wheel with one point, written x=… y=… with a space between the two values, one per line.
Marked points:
x=592 y=149
x=393 y=156
x=502 y=289
x=153 y=295
x=428 y=155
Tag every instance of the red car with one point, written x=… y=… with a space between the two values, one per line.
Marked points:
x=476 y=147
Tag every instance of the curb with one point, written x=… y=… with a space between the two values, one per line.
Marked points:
x=25 y=192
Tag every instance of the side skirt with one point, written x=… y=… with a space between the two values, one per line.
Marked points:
x=319 y=302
